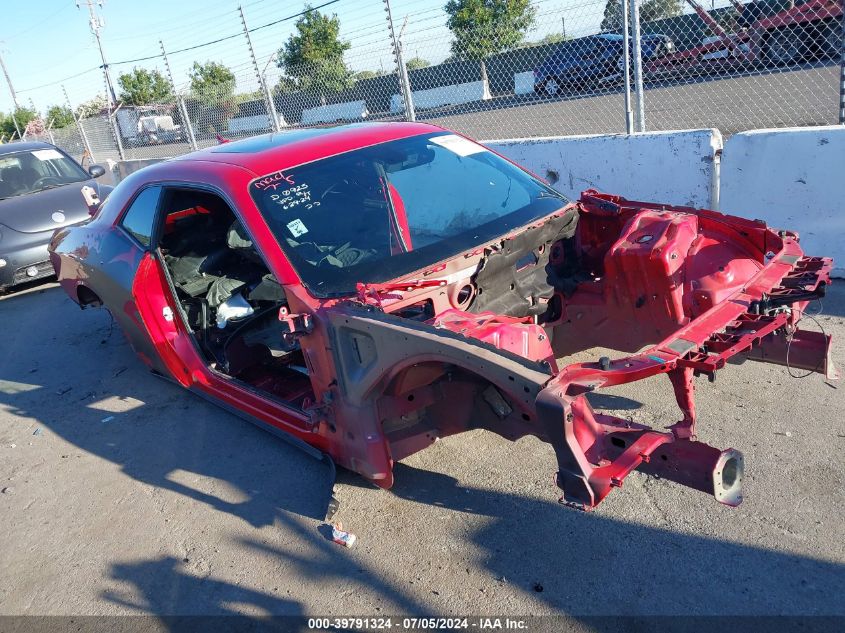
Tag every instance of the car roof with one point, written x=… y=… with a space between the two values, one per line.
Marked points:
x=272 y=152
x=23 y=146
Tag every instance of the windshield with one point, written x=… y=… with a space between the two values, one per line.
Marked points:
x=381 y=212
x=29 y=172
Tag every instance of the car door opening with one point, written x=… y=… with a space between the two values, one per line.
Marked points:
x=230 y=300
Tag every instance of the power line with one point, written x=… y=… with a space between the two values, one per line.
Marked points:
x=53 y=83
x=227 y=37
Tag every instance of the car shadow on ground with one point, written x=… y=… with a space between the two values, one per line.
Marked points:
x=589 y=564
x=100 y=398
x=585 y=563
x=165 y=587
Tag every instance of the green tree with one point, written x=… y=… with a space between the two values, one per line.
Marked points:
x=416 y=63
x=60 y=116
x=144 y=87
x=485 y=27
x=553 y=38
x=313 y=56
x=213 y=102
x=613 y=16
x=286 y=86
x=22 y=115
x=652 y=10
x=365 y=74
x=212 y=83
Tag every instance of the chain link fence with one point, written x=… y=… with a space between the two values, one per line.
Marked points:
x=574 y=67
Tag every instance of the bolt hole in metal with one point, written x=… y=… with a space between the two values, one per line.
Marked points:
x=464 y=294
x=727 y=478
x=730 y=472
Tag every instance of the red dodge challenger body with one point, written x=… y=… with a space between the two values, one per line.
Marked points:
x=365 y=290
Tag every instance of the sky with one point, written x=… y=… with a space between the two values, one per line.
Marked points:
x=48 y=43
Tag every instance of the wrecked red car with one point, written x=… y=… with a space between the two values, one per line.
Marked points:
x=366 y=290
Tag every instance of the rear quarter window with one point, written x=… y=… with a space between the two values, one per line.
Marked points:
x=139 y=218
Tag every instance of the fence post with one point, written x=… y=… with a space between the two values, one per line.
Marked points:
x=626 y=68
x=21 y=135
x=842 y=68
x=268 y=98
x=183 y=109
x=115 y=128
x=402 y=70
x=79 y=127
x=638 y=64
x=112 y=117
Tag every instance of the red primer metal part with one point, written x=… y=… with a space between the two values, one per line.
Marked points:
x=518 y=336
x=398 y=365
x=596 y=452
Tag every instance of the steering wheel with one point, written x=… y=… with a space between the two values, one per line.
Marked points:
x=345 y=187
x=45 y=180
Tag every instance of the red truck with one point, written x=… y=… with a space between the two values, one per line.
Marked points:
x=804 y=32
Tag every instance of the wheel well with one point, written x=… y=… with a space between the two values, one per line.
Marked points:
x=87 y=297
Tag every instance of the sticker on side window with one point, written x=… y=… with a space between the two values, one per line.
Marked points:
x=458 y=144
x=46 y=154
x=297 y=228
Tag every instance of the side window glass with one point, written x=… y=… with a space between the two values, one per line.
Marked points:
x=139 y=219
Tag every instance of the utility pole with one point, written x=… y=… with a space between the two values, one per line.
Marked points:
x=9 y=83
x=563 y=26
x=12 y=92
x=96 y=23
x=402 y=70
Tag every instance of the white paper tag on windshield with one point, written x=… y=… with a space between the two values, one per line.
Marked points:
x=297 y=228
x=46 y=154
x=458 y=144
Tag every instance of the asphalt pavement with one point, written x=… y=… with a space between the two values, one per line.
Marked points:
x=122 y=494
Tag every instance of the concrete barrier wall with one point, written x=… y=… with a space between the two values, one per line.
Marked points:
x=671 y=167
x=249 y=124
x=445 y=95
x=349 y=111
x=121 y=169
x=792 y=179
x=523 y=83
